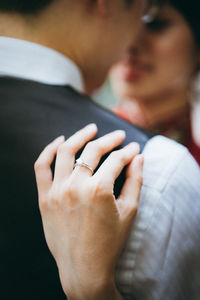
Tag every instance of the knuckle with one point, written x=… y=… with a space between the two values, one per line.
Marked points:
x=131 y=210
x=91 y=146
x=45 y=202
x=67 y=147
x=122 y=159
x=43 y=205
x=63 y=195
x=36 y=165
x=62 y=148
x=95 y=146
x=114 y=155
x=39 y=164
x=134 y=209
x=47 y=150
x=118 y=156
x=54 y=198
x=70 y=190
x=101 y=147
x=139 y=179
x=100 y=190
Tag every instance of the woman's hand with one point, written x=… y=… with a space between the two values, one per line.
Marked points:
x=85 y=226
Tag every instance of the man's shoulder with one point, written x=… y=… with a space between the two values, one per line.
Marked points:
x=163 y=245
x=171 y=178
x=64 y=104
x=168 y=163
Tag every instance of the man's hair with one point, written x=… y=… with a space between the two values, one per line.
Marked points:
x=129 y=2
x=150 y=2
x=23 y=6
x=34 y=6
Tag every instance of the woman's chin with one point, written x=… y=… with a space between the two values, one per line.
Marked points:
x=136 y=92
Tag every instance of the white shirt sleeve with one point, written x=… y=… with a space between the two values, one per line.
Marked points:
x=161 y=259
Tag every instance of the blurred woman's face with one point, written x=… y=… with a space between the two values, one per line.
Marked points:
x=163 y=61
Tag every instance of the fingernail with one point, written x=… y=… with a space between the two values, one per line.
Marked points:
x=134 y=147
x=91 y=127
x=120 y=133
x=59 y=139
x=140 y=159
x=138 y=162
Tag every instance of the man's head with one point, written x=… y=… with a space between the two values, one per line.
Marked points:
x=93 y=33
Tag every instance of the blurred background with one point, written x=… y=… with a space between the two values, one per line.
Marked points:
x=156 y=85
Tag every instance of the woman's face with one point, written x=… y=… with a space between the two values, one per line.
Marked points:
x=162 y=62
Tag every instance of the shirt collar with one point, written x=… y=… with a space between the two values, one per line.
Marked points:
x=30 y=61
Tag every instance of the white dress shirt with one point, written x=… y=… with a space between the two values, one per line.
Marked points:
x=26 y=60
x=164 y=242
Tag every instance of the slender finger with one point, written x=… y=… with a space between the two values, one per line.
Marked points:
x=67 y=151
x=94 y=151
x=42 y=166
x=133 y=184
x=115 y=163
x=127 y=202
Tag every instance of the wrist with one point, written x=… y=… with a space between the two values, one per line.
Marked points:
x=104 y=291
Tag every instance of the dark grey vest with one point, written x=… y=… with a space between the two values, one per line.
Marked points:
x=32 y=115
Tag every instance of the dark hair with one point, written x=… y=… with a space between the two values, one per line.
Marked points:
x=34 y=6
x=190 y=11
x=23 y=6
x=150 y=2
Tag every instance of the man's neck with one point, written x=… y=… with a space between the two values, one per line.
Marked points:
x=13 y=25
x=52 y=33
x=32 y=29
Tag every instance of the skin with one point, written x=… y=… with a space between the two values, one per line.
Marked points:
x=75 y=205
x=86 y=20
x=156 y=76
